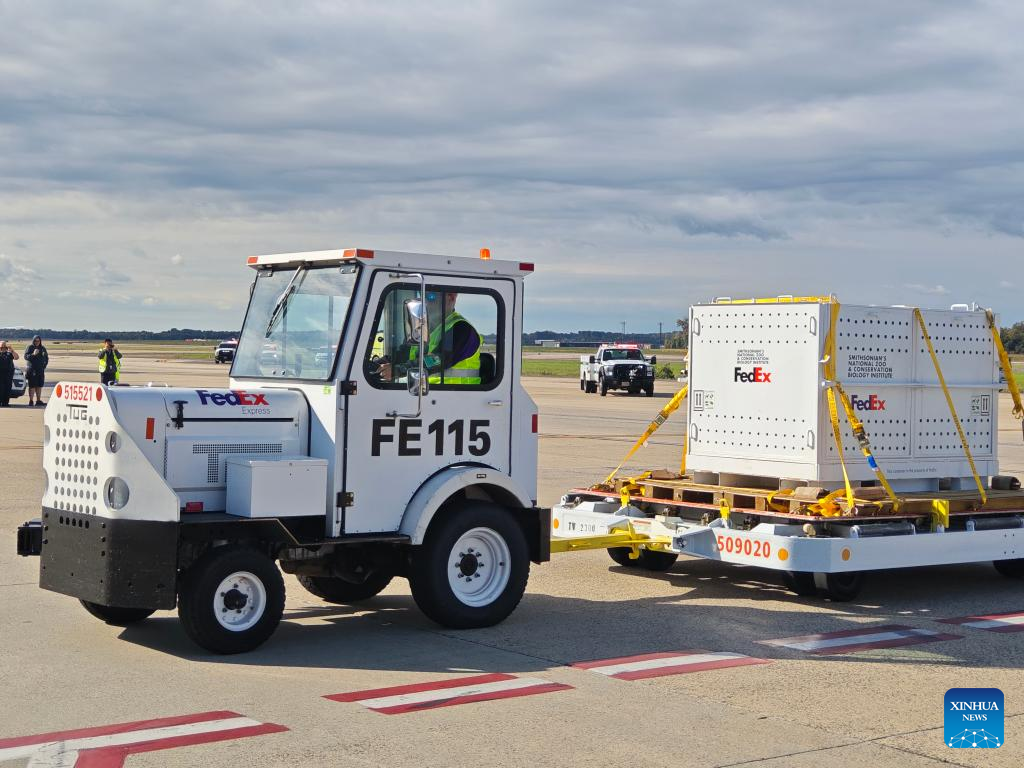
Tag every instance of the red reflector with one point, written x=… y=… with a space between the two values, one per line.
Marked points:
x=536 y=423
x=252 y=259
x=150 y=428
x=58 y=390
x=525 y=266
x=357 y=253
x=193 y=506
x=99 y=394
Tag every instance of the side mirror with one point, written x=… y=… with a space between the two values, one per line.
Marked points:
x=416 y=320
x=593 y=359
x=417 y=386
x=654 y=359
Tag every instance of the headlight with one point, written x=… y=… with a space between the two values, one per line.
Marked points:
x=115 y=493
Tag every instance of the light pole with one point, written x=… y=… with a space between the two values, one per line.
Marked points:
x=623 y=330
x=661 y=337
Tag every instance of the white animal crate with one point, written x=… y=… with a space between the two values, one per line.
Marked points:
x=758 y=406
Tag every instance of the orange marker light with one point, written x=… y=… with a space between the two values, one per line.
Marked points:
x=252 y=259
x=485 y=253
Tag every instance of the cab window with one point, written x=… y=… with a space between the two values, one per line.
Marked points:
x=463 y=346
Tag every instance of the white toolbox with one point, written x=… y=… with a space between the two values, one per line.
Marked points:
x=283 y=486
x=758 y=406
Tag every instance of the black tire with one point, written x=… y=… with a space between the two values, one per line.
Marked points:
x=1013 y=569
x=604 y=388
x=649 y=391
x=800 y=583
x=592 y=387
x=117 y=617
x=583 y=385
x=337 y=590
x=430 y=567
x=198 y=590
x=649 y=559
x=840 y=587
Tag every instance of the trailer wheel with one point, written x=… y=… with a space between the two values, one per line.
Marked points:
x=472 y=567
x=800 y=583
x=604 y=387
x=337 y=590
x=840 y=587
x=1013 y=569
x=117 y=617
x=649 y=560
x=231 y=599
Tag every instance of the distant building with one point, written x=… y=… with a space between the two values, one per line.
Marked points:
x=548 y=343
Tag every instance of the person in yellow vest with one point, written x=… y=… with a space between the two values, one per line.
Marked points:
x=109 y=363
x=453 y=348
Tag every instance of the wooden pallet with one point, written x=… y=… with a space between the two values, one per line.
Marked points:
x=870 y=502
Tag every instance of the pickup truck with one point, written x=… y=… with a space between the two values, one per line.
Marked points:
x=617 y=366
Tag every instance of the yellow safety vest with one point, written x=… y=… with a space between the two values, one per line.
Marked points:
x=117 y=365
x=465 y=372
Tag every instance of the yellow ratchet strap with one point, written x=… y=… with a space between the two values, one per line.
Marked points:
x=856 y=426
x=949 y=401
x=670 y=407
x=631 y=485
x=778 y=506
x=1004 y=361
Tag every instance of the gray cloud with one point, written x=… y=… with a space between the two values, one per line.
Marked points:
x=776 y=148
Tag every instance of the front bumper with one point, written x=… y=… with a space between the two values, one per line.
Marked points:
x=121 y=563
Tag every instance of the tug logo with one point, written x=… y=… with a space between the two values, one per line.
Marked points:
x=869 y=403
x=234 y=397
x=756 y=375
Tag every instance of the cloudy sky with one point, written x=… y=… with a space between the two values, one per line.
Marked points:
x=645 y=155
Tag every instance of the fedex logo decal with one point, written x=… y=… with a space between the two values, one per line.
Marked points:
x=869 y=403
x=756 y=375
x=234 y=397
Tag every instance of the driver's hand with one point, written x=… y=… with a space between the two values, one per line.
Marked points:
x=384 y=371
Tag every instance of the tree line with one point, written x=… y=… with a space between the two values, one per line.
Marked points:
x=174 y=334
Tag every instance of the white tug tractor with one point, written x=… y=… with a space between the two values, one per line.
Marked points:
x=374 y=426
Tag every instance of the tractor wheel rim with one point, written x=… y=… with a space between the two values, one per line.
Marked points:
x=240 y=601
x=479 y=567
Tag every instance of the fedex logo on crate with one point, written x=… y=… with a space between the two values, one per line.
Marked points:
x=233 y=397
x=869 y=403
x=755 y=375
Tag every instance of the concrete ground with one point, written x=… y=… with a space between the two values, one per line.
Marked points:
x=61 y=669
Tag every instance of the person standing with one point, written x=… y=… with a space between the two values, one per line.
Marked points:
x=36 y=360
x=7 y=358
x=109 y=363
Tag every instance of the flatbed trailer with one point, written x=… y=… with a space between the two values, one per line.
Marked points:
x=648 y=523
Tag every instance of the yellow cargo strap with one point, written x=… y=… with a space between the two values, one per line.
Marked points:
x=1004 y=362
x=631 y=485
x=949 y=401
x=671 y=407
x=778 y=300
x=856 y=426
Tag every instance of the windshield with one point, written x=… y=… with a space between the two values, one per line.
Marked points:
x=294 y=323
x=623 y=354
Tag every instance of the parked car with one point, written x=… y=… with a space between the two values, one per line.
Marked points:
x=225 y=352
x=18 y=387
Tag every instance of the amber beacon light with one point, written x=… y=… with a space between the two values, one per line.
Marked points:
x=485 y=253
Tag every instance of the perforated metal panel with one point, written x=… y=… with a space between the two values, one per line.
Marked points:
x=758 y=405
x=216 y=452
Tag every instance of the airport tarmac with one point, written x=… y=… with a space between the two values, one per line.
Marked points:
x=62 y=671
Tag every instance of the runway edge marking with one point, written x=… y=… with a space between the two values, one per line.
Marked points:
x=447 y=693
x=666 y=663
x=107 y=746
x=864 y=638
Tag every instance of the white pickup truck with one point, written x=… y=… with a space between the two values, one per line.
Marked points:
x=617 y=366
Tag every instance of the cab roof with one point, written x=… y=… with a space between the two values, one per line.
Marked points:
x=395 y=260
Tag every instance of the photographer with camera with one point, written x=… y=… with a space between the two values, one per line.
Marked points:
x=7 y=358
x=109 y=363
x=36 y=360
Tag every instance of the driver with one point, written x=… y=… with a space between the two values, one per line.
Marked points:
x=452 y=349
